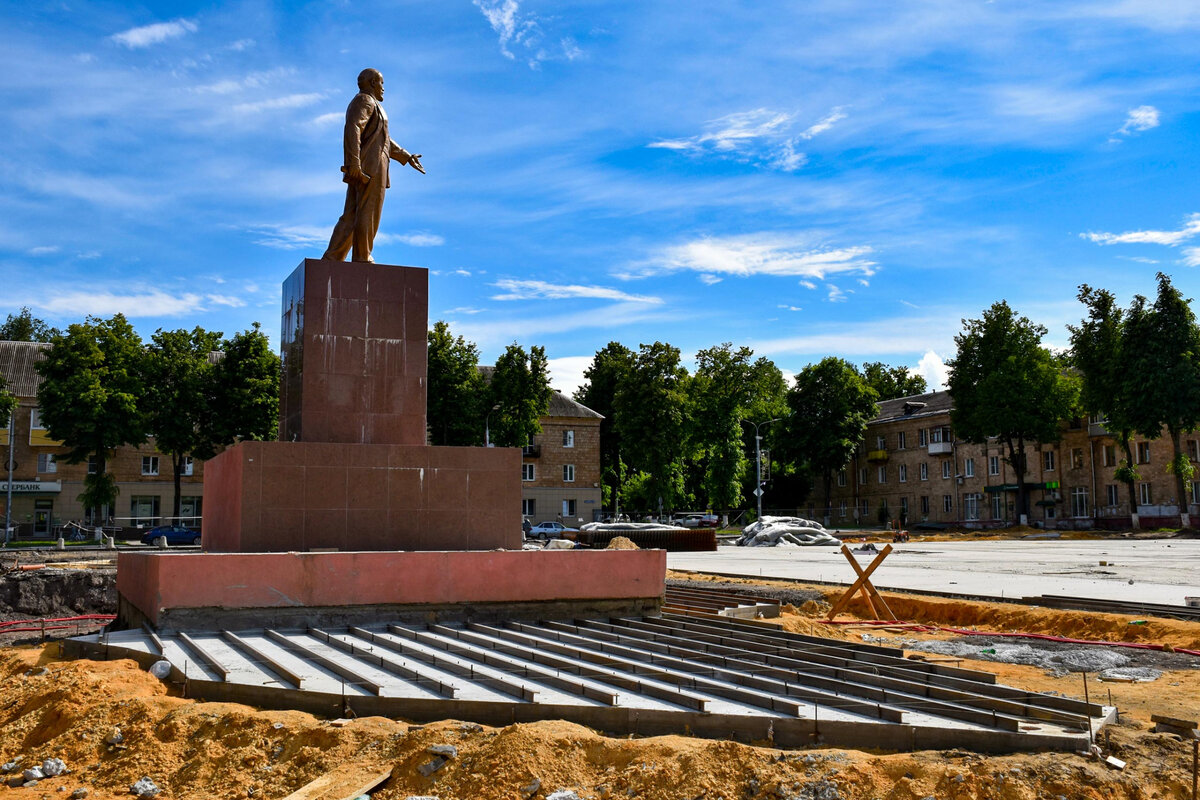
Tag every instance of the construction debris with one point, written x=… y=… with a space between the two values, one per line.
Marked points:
x=785 y=531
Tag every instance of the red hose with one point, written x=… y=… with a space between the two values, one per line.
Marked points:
x=1045 y=636
x=38 y=622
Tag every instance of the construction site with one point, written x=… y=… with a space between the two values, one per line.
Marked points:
x=362 y=618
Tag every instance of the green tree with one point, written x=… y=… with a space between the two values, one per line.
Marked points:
x=89 y=398
x=649 y=409
x=519 y=393
x=178 y=399
x=1007 y=385
x=24 y=327
x=455 y=389
x=830 y=405
x=599 y=393
x=1164 y=371
x=1099 y=352
x=245 y=390
x=8 y=403
x=892 y=382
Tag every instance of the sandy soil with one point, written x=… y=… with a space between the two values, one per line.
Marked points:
x=193 y=749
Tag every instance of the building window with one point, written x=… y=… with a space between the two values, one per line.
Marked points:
x=924 y=470
x=903 y=470
x=925 y=504
x=881 y=443
x=900 y=440
x=1077 y=458
x=863 y=476
x=997 y=506
x=1109 y=455
x=187 y=466
x=1114 y=494
x=1143 y=452
x=149 y=465
x=189 y=509
x=527 y=472
x=947 y=503
x=568 y=473
x=1097 y=419
x=922 y=437
x=528 y=507
x=863 y=508
x=904 y=505
x=568 y=438
x=945 y=469
x=841 y=477
x=941 y=434
x=35 y=420
x=568 y=509
x=46 y=463
x=93 y=465
x=1048 y=461
x=993 y=465
x=1144 y=496
x=969 y=468
x=842 y=509
x=971 y=506
x=882 y=474
x=1194 y=491
x=144 y=509
x=1051 y=513
x=1079 y=501
x=1193 y=449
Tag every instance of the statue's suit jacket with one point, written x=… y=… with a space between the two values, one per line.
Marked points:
x=367 y=143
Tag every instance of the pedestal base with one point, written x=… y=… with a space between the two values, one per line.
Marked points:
x=296 y=496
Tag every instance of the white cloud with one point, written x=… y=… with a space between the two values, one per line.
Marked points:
x=1139 y=259
x=273 y=103
x=863 y=282
x=154 y=303
x=147 y=35
x=823 y=124
x=757 y=254
x=464 y=273
x=541 y=290
x=710 y=279
x=422 y=239
x=1191 y=256
x=836 y=294
x=571 y=50
x=762 y=136
x=241 y=44
x=1191 y=227
x=1142 y=118
x=328 y=119
x=512 y=27
x=291 y=237
x=933 y=370
x=789 y=308
x=468 y=310
x=225 y=300
x=566 y=373
x=807 y=284
x=44 y=250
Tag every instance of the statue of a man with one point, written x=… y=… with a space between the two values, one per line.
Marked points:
x=368 y=149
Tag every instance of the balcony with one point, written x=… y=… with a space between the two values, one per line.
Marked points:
x=941 y=448
x=1097 y=429
x=531 y=451
x=877 y=455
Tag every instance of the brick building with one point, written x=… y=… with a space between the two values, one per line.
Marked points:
x=911 y=462
x=560 y=469
x=45 y=488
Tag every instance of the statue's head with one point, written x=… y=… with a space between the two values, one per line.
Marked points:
x=371 y=81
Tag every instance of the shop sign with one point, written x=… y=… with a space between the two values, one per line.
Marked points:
x=19 y=487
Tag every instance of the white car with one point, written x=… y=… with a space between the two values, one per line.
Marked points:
x=551 y=530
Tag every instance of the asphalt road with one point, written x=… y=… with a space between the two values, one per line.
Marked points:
x=1154 y=571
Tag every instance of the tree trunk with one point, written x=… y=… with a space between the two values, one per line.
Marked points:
x=177 y=466
x=828 y=479
x=1017 y=460
x=1127 y=446
x=1180 y=483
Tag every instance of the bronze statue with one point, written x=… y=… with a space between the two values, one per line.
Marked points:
x=368 y=150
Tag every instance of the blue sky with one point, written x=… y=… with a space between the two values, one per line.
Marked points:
x=847 y=178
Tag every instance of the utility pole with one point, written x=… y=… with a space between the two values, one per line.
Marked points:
x=12 y=436
x=758 y=459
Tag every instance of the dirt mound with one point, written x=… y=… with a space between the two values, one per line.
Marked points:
x=54 y=592
x=621 y=543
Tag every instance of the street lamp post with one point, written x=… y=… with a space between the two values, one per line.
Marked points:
x=12 y=429
x=487 y=422
x=758 y=458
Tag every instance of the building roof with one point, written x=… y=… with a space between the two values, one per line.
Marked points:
x=914 y=407
x=560 y=404
x=16 y=366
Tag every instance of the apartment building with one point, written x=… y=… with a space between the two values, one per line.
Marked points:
x=560 y=468
x=45 y=488
x=913 y=467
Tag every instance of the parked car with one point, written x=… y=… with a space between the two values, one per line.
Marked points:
x=698 y=521
x=552 y=530
x=172 y=534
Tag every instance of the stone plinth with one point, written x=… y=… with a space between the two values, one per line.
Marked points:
x=212 y=590
x=295 y=496
x=354 y=349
